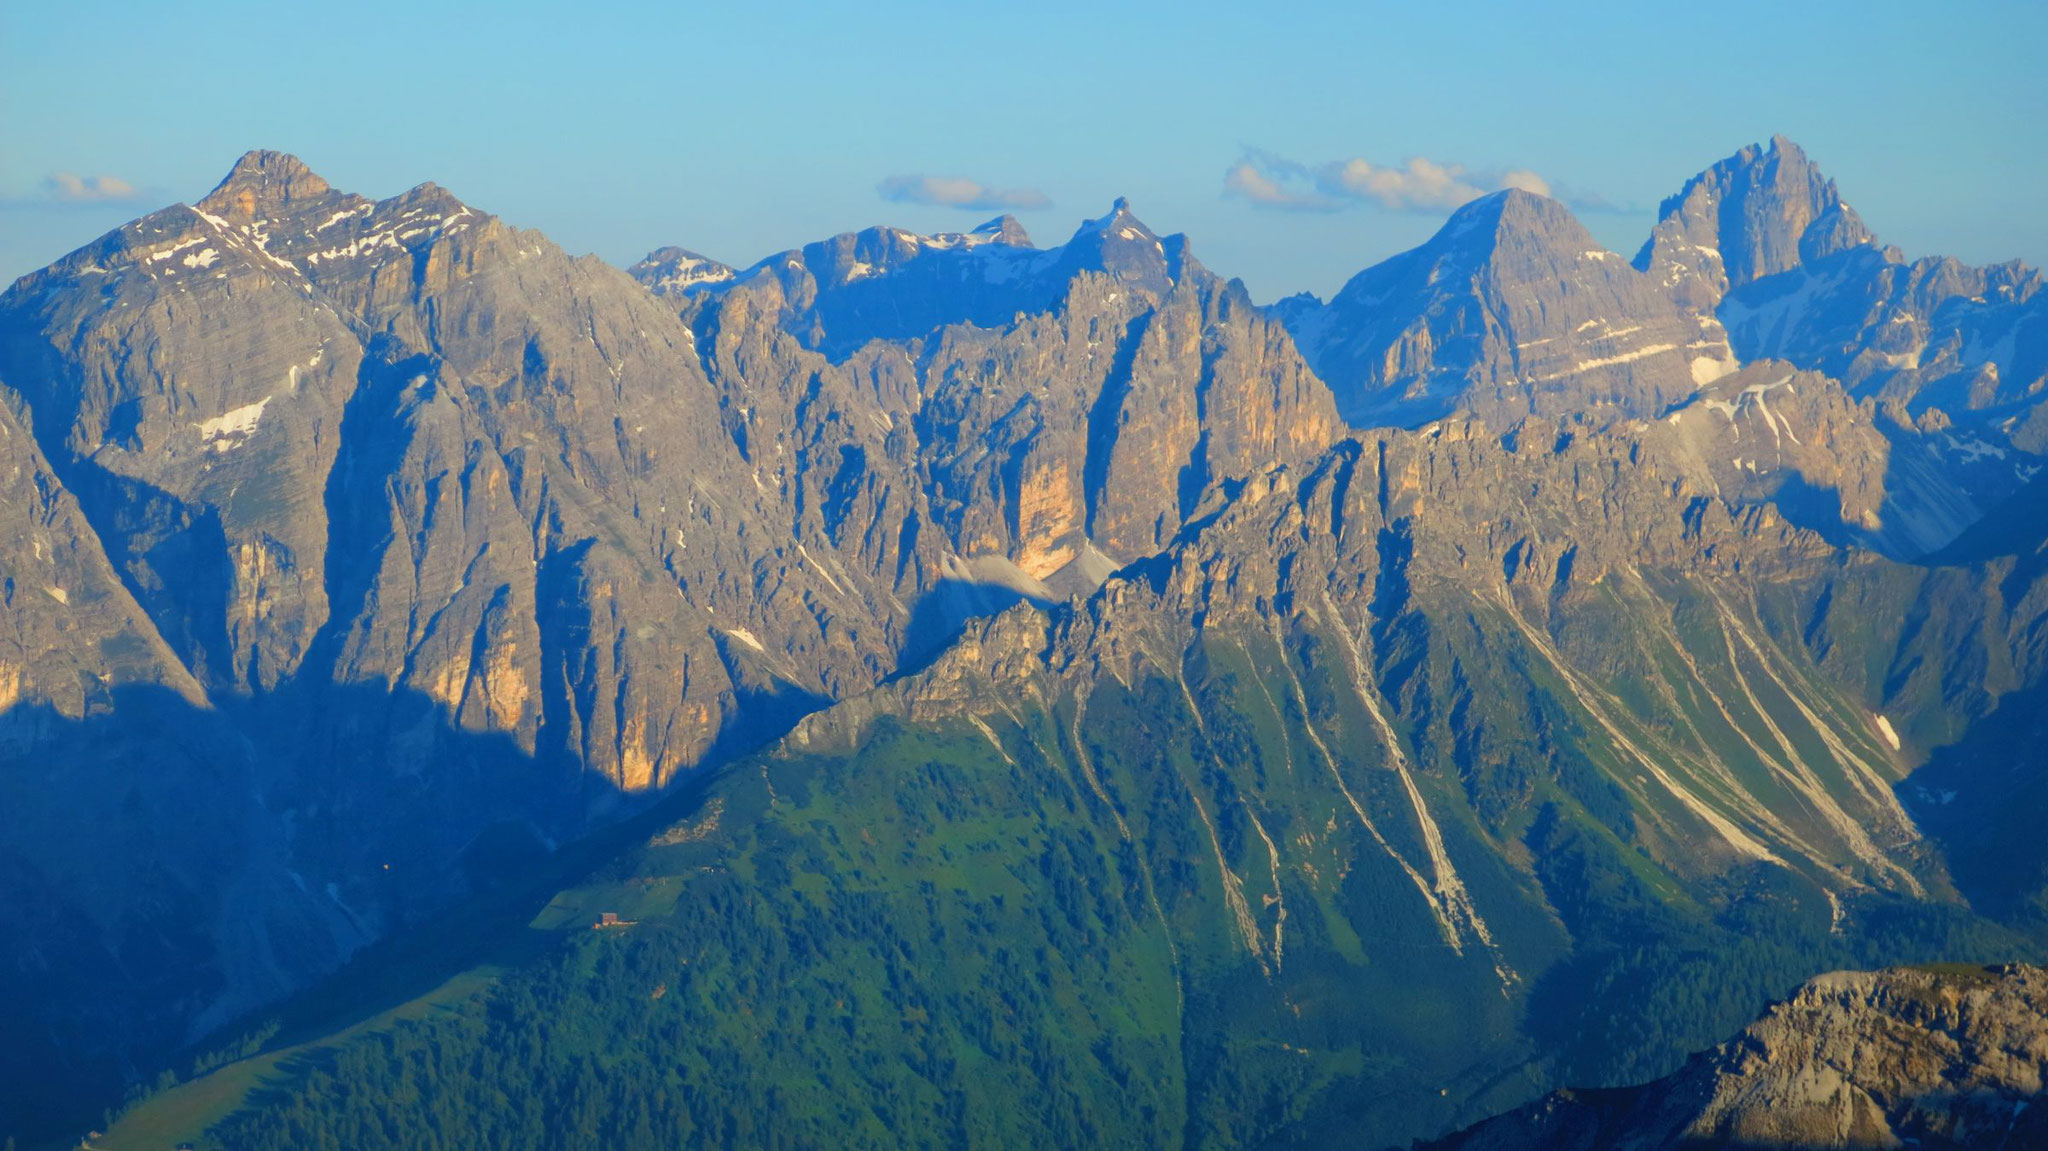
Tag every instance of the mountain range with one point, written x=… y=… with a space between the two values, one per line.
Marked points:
x=1017 y=694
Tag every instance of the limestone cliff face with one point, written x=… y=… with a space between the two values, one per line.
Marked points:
x=1056 y=410
x=1950 y=1058
x=1932 y=332
x=1850 y=469
x=1415 y=560
x=73 y=629
x=1672 y=612
x=378 y=437
x=189 y=387
x=145 y=880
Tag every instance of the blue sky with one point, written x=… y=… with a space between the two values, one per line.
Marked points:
x=742 y=129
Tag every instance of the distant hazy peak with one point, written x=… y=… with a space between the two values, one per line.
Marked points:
x=1004 y=229
x=1120 y=223
x=1510 y=225
x=673 y=269
x=1511 y=308
x=1121 y=245
x=1509 y=218
x=1511 y=208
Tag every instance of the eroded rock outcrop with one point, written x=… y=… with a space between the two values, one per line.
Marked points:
x=1951 y=1058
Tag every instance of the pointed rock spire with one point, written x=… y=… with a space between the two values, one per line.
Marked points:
x=1120 y=223
x=1121 y=245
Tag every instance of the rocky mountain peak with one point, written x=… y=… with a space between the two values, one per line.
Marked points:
x=1004 y=229
x=430 y=200
x=672 y=269
x=261 y=182
x=1121 y=245
x=1513 y=208
x=471 y=536
x=1764 y=210
x=1513 y=224
x=1119 y=220
x=1511 y=309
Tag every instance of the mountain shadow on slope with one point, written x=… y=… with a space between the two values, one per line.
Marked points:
x=216 y=882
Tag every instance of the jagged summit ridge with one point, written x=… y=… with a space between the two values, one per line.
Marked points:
x=1762 y=211
x=273 y=216
x=839 y=294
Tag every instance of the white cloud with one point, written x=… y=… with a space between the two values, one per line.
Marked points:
x=1419 y=184
x=1248 y=180
x=953 y=192
x=72 y=188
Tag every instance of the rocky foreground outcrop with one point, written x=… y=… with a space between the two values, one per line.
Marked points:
x=1951 y=1057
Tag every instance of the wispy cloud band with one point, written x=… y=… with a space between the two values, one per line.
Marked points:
x=1419 y=184
x=72 y=188
x=69 y=190
x=953 y=192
